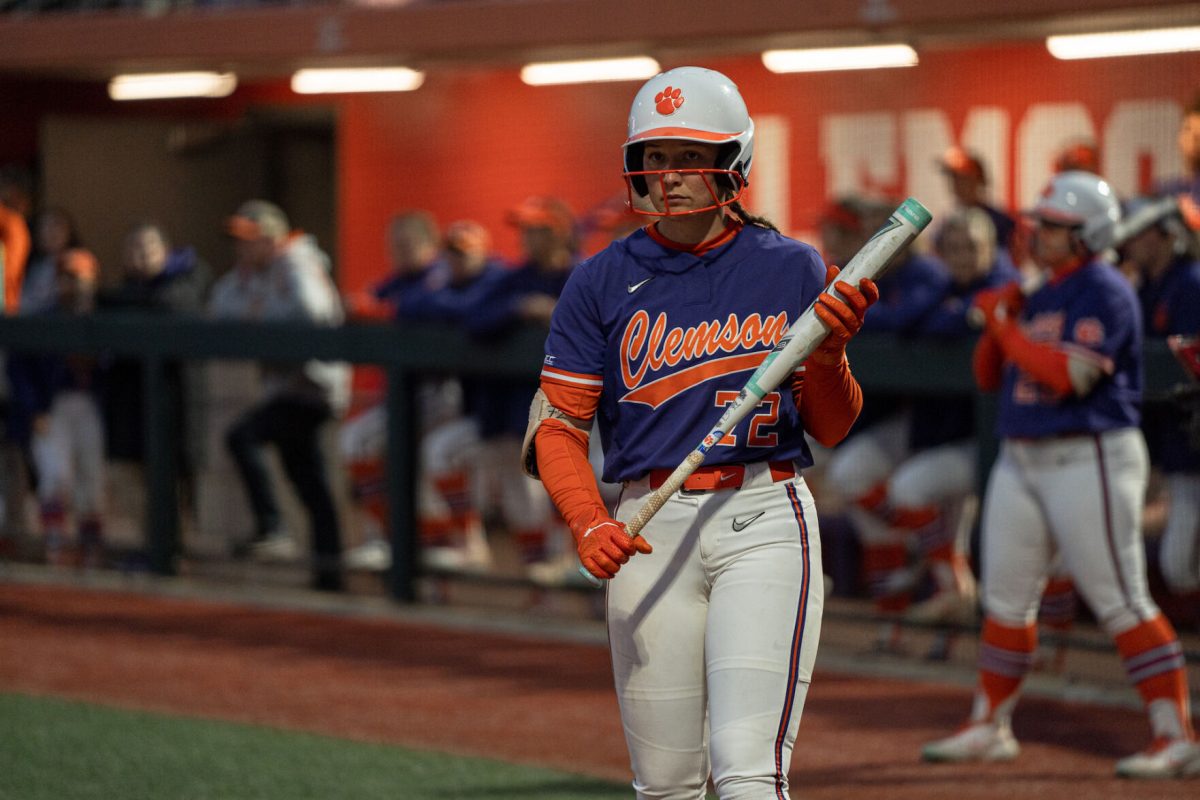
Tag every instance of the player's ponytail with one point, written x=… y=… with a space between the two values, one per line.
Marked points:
x=751 y=219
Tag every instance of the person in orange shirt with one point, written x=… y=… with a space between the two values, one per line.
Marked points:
x=14 y=243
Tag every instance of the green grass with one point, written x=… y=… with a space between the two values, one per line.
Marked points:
x=54 y=749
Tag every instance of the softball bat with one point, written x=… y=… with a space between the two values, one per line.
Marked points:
x=802 y=337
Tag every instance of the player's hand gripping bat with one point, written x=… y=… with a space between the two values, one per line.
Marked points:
x=904 y=224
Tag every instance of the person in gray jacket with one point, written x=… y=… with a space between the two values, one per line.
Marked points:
x=283 y=276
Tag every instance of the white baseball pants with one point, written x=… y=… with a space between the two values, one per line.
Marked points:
x=714 y=636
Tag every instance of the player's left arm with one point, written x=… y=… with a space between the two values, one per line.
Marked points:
x=829 y=398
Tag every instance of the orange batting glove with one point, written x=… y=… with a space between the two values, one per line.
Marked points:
x=844 y=318
x=604 y=546
x=998 y=306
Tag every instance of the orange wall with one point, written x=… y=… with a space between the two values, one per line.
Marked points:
x=471 y=144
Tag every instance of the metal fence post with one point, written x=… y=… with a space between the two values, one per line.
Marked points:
x=161 y=466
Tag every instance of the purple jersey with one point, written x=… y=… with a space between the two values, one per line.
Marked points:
x=1171 y=305
x=1189 y=186
x=909 y=291
x=1092 y=313
x=664 y=330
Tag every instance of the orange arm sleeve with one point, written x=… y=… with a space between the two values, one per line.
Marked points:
x=14 y=235
x=1045 y=364
x=987 y=362
x=562 y=460
x=830 y=401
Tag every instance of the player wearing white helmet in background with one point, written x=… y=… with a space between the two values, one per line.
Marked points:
x=713 y=628
x=1071 y=477
x=1161 y=253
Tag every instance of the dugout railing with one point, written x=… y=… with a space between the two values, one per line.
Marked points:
x=882 y=363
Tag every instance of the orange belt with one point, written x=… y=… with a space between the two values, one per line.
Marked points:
x=721 y=476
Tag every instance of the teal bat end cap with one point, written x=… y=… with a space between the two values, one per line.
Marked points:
x=912 y=210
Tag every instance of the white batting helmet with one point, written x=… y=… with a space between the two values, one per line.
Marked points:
x=697 y=105
x=1084 y=201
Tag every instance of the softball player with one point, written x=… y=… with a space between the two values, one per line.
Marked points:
x=714 y=627
x=67 y=442
x=1170 y=297
x=1070 y=477
x=511 y=296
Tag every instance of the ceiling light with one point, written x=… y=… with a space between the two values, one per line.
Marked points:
x=153 y=86
x=607 y=69
x=371 y=79
x=829 y=59
x=1124 y=43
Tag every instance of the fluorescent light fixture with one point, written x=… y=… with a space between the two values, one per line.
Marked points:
x=830 y=59
x=368 y=79
x=548 y=73
x=1124 y=43
x=159 y=85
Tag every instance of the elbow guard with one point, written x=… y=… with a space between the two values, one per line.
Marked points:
x=541 y=410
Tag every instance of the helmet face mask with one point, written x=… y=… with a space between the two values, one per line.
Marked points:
x=690 y=104
x=725 y=187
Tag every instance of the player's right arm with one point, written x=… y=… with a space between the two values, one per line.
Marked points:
x=556 y=441
x=560 y=450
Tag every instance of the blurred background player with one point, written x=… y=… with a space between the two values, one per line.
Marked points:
x=67 y=432
x=512 y=297
x=968 y=183
x=414 y=244
x=450 y=525
x=1071 y=478
x=859 y=468
x=54 y=232
x=296 y=399
x=412 y=241
x=938 y=483
x=15 y=242
x=1187 y=184
x=1162 y=252
x=161 y=278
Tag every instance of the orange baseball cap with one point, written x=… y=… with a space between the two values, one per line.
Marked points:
x=1079 y=156
x=543 y=212
x=958 y=161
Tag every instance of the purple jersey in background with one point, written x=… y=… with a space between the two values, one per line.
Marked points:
x=1091 y=312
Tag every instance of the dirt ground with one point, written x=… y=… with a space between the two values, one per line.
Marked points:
x=516 y=697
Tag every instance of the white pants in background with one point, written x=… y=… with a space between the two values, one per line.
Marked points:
x=69 y=454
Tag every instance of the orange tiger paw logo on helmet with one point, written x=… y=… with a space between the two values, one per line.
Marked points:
x=669 y=99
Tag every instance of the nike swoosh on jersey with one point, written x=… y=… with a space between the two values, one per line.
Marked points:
x=633 y=287
x=740 y=524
